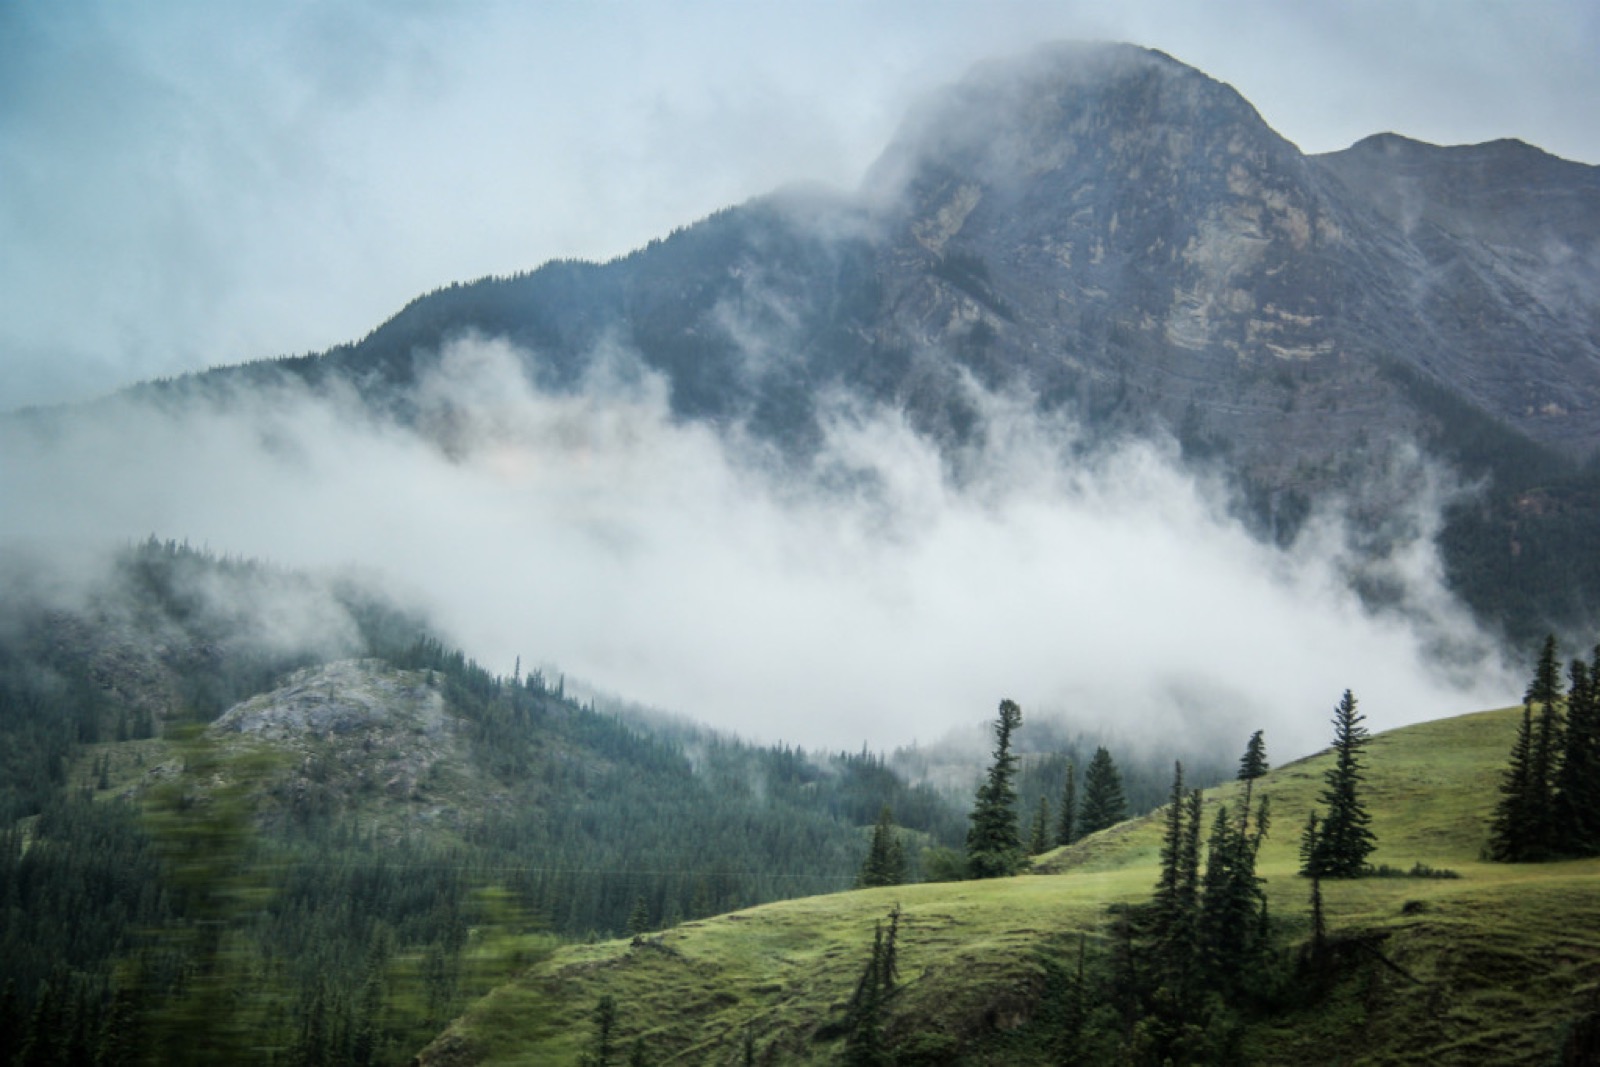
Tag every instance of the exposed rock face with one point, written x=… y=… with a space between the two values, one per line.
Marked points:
x=1124 y=239
x=355 y=728
x=1130 y=233
x=340 y=699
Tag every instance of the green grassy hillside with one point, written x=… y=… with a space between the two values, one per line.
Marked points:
x=1490 y=967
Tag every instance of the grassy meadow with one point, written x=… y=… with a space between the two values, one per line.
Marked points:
x=1487 y=967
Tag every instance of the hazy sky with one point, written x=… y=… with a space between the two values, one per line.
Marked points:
x=190 y=183
x=185 y=184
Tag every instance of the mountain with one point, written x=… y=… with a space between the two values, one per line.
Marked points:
x=180 y=745
x=1462 y=962
x=1124 y=242
x=190 y=743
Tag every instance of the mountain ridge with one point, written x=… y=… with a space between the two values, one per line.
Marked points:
x=1125 y=242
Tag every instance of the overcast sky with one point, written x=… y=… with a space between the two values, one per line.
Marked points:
x=191 y=183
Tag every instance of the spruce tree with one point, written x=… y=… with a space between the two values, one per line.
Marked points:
x=1189 y=888
x=1252 y=765
x=639 y=917
x=603 y=1044
x=1175 y=907
x=1171 y=856
x=864 y=1045
x=886 y=862
x=1545 y=692
x=1067 y=821
x=1508 y=833
x=1232 y=923
x=1039 y=840
x=1103 y=802
x=994 y=845
x=1527 y=824
x=1345 y=840
x=1308 y=842
x=1319 y=922
x=1578 y=778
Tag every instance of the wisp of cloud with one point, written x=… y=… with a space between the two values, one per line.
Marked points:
x=666 y=562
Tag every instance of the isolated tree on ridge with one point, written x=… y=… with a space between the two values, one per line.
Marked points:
x=1252 y=765
x=994 y=845
x=1345 y=839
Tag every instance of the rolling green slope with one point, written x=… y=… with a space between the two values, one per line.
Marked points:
x=1490 y=967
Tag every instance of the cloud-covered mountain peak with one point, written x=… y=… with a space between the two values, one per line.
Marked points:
x=1016 y=122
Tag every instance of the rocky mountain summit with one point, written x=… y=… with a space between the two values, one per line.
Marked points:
x=1125 y=243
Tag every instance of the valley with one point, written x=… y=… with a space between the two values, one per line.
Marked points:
x=587 y=665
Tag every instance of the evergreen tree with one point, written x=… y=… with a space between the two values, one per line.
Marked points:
x=1508 y=840
x=1319 y=922
x=1545 y=691
x=639 y=917
x=1039 y=840
x=864 y=1045
x=605 y=1029
x=1578 y=778
x=1103 y=802
x=1167 y=911
x=1189 y=865
x=1345 y=840
x=1232 y=922
x=886 y=862
x=1173 y=910
x=1252 y=765
x=1066 y=822
x=994 y=845
x=1527 y=824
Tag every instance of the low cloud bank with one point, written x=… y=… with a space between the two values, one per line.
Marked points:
x=666 y=563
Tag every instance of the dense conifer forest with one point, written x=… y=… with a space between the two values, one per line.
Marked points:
x=171 y=891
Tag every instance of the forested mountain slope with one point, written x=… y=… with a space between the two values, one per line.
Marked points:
x=1123 y=241
x=358 y=787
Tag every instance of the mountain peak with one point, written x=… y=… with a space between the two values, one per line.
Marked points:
x=1013 y=119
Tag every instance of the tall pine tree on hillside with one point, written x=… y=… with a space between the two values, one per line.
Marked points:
x=1508 y=840
x=1252 y=765
x=1103 y=801
x=1544 y=692
x=1577 y=787
x=1167 y=906
x=864 y=1044
x=1524 y=824
x=1039 y=840
x=994 y=844
x=1550 y=790
x=1067 y=822
x=1345 y=839
x=1231 y=932
x=1174 y=910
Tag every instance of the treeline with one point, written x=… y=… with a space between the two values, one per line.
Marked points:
x=129 y=915
x=1172 y=980
x=1549 y=806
